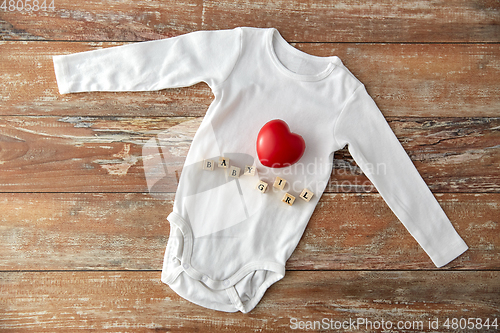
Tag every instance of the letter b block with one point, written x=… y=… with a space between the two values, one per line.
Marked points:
x=234 y=171
x=208 y=165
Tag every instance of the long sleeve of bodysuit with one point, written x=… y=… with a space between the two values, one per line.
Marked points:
x=202 y=56
x=383 y=160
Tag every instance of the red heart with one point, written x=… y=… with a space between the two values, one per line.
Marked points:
x=277 y=147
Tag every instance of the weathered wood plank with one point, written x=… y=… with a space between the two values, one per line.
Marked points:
x=431 y=80
x=405 y=80
x=350 y=231
x=73 y=231
x=435 y=145
x=83 y=231
x=28 y=87
x=75 y=154
x=102 y=20
x=138 y=301
x=318 y=21
x=362 y=21
x=104 y=154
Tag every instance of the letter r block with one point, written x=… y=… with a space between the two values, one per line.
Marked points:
x=288 y=199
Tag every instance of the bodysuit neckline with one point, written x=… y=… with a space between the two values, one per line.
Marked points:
x=273 y=36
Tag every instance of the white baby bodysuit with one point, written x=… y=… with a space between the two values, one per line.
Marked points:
x=228 y=241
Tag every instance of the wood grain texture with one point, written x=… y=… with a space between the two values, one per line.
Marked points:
x=424 y=80
x=75 y=154
x=299 y=20
x=109 y=231
x=29 y=87
x=105 y=154
x=103 y=20
x=449 y=144
x=363 y=21
x=138 y=301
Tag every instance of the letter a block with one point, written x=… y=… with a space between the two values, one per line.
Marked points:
x=223 y=162
x=208 y=165
x=279 y=183
x=249 y=170
x=306 y=195
x=234 y=171
x=288 y=199
x=262 y=186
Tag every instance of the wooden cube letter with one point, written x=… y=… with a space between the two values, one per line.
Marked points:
x=208 y=165
x=288 y=199
x=262 y=186
x=249 y=170
x=279 y=183
x=306 y=195
x=234 y=171
x=223 y=162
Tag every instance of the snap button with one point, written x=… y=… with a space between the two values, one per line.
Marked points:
x=226 y=283
x=186 y=266
x=204 y=278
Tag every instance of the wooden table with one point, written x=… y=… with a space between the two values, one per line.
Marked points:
x=82 y=240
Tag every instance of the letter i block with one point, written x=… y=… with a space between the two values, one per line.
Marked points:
x=223 y=162
x=306 y=195
x=249 y=170
x=208 y=165
x=279 y=183
x=234 y=171
x=288 y=199
x=262 y=186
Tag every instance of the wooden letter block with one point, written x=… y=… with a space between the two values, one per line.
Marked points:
x=208 y=165
x=288 y=199
x=262 y=186
x=234 y=171
x=279 y=183
x=249 y=170
x=223 y=162
x=306 y=195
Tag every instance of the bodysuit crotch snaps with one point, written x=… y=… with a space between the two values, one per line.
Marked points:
x=212 y=287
